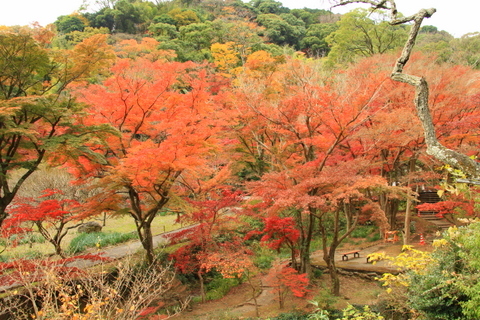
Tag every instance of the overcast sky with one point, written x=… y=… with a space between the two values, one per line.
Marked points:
x=458 y=17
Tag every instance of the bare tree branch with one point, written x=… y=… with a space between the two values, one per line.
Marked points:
x=434 y=147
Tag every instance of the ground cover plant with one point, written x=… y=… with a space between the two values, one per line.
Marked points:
x=98 y=240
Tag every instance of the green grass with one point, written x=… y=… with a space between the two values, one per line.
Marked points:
x=28 y=238
x=98 y=239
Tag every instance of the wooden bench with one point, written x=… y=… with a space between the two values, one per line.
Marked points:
x=356 y=254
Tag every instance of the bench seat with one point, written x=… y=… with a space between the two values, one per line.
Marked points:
x=356 y=254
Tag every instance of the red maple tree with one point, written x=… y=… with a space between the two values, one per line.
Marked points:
x=284 y=279
x=52 y=215
x=213 y=243
x=165 y=117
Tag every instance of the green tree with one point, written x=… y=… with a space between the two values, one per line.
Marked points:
x=123 y=16
x=282 y=30
x=466 y=50
x=436 y=43
x=268 y=6
x=183 y=17
x=36 y=112
x=309 y=16
x=359 y=36
x=103 y=18
x=314 y=43
x=127 y=17
x=163 y=31
x=164 y=18
x=70 y=23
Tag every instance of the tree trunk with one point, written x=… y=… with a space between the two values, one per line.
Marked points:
x=408 y=214
x=146 y=238
x=305 y=242
x=408 y=210
x=329 y=252
x=329 y=257
x=254 y=295
x=202 y=285
x=332 y=269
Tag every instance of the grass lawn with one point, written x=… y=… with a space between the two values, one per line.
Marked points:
x=123 y=224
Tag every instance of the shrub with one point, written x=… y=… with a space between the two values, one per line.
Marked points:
x=32 y=254
x=98 y=239
x=364 y=313
x=362 y=231
x=374 y=237
x=57 y=292
x=291 y=316
x=219 y=287
x=264 y=261
x=27 y=238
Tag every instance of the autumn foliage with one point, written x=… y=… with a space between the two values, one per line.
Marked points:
x=315 y=151
x=51 y=214
x=284 y=279
x=166 y=121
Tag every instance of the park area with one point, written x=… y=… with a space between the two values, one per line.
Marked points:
x=229 y=160
x=257 y=298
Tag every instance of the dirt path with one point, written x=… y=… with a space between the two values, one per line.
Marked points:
x=239 y=303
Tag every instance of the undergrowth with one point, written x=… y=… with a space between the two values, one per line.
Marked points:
x=98 y=239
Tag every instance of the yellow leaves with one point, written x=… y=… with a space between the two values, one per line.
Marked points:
x=225 y=56
x=391 y=280
x=92 y=55
x=261 y=61
x=438 y=243
x=376 y=256
x=412 y=259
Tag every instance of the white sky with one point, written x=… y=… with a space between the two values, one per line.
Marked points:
x=458 y=17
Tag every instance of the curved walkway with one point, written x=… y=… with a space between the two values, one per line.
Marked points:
x=125 y=249
x=115 y=252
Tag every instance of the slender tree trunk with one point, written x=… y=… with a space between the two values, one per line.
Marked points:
x=408 y=210
x=147 y=241
x=293 y=254
x=329 y=252
x=329 y=258
x=334 y=278
x=408 y=214
x=254 y=294
x=281 y=298
x=202 y=285
x=56 y=243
